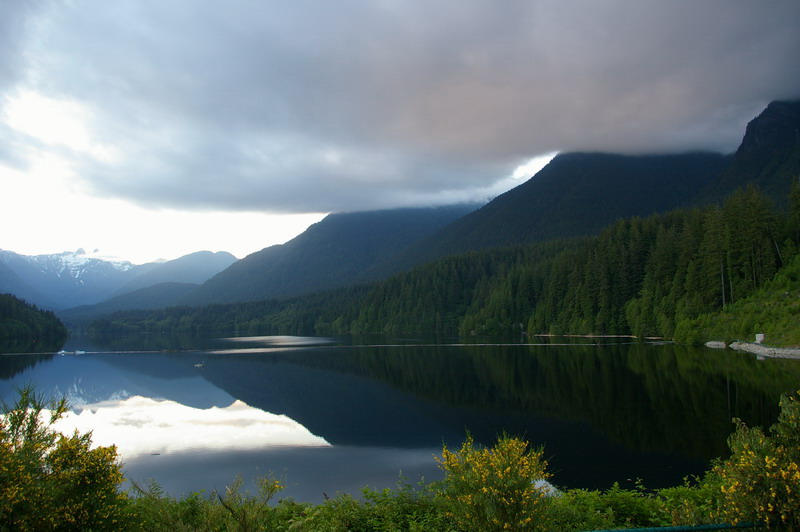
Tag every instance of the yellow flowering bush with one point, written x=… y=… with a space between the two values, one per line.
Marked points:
x=49 y=481
x=761 y=479
x=498 y=488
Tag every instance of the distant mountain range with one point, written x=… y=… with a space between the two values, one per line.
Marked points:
x=69 y=279
x=576 y=194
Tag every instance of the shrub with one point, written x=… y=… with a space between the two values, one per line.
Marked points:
x=632 y=507
x=694 y=502
x=49 y=481
x=235 y=510
x=580 y=509
x=498 y=488
x=761 y=479
x=402 y=508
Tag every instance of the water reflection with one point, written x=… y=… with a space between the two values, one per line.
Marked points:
x=141 y=425
x=334 y=417
x=280 y=341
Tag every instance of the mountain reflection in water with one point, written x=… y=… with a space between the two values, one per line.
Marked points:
x=332 y=417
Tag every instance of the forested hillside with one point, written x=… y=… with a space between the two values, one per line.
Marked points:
x=24 y=327
x=773 y=311
x=576 y=194
x=641 y=276
x=331 y=253
x=152 y=297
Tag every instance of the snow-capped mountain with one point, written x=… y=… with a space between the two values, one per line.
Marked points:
x=73 y=278
x=77 y=265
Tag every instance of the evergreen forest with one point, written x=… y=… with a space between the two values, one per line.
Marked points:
x=26 y=328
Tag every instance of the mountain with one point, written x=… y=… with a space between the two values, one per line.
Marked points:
x=333 y=252
x=580 y=193
x=576 y=194
x=151 y=297
x=194 y=268
x=11 y=283
x=768 y=157
x=69 y=279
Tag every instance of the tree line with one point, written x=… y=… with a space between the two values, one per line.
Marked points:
x=22 y=325
x=640 y=276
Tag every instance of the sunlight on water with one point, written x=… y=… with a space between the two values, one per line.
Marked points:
x=280 y=341
x=140 y=425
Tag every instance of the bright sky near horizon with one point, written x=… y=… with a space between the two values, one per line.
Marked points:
x=148 y=130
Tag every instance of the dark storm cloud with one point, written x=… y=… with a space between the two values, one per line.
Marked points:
x=321 y=106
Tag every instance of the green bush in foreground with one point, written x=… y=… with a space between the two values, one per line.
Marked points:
x=761 y=479
x=498 y=488
x=49 y=481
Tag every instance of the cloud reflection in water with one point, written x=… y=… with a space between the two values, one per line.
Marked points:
x=140 y=425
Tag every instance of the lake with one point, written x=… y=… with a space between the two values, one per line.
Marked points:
x=335 y=415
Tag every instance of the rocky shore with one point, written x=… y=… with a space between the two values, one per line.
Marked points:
x=766 y=351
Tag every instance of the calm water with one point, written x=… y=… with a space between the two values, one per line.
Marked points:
x=333 y=417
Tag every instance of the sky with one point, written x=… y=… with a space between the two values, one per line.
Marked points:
x=144 y=129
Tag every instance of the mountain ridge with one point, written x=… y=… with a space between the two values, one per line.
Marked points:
x=329 y=254
x=68 y=279
x=769 y=151
x=570 y=197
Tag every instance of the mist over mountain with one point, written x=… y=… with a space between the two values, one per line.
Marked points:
x=194 y=268
x=150 y=297
x=576 y=194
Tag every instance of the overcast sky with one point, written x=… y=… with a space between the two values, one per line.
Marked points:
x=152 y=129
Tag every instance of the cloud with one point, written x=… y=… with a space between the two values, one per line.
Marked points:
x=315 y=106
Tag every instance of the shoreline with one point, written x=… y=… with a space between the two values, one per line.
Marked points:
x=766 y=351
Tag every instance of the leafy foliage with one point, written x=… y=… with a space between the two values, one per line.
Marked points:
x=407 y=507
x=234 y=509
x=498 y=488
x=761 y=479
x=49 y=481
